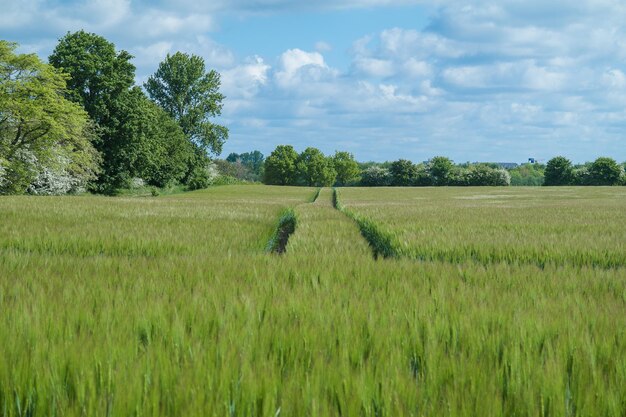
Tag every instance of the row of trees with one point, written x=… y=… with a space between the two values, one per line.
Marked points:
x=80 y=122
x=603 y=171
x=285 y=166
x=311 y=167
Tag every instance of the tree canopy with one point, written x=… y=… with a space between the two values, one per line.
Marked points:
x=558 y=171
x=191 y=96
x=44 y=138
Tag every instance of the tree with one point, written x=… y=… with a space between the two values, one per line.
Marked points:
x=280 y=166
x=136 y=138
x=558 y=171
x=375 y=176
x=314 y=169
x=527 y=174
x=402 y=172
x=253 y=161
x=98 y=74
x=605 y=171
x=440 y=168
x=44 y=138
x=191 y=96
x=347 y=168
x=148 y=143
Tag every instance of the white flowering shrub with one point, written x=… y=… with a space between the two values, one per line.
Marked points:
x=56 y=180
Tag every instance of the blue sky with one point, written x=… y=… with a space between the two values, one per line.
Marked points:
x=384 y=79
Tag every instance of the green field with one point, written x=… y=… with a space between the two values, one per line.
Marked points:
x=498 y=302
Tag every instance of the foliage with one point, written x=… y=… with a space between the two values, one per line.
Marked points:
x=191 y=96
x=280 y=166
x=348 y=172
x=148 y=143
x=527 y=175
x=605 y=171
x=440 y=169
x=252 y=160
x=559 y=171
x=315 y=169
x=202 y=176
x=480 y=175
x=375 y=176
x=402 y=173
x=44 y=138
x=136 y=137
x=98 y=74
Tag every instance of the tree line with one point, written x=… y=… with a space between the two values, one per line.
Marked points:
x=79 y=122
x=285 y=166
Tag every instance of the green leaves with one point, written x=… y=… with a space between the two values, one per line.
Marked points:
x=39 y=129
x=191 y=96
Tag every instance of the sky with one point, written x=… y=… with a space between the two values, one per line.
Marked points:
x=478 y=81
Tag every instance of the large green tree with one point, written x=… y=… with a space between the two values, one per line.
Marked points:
x=605 y=171
x=148 y=143
x=348 y=171
x=440 y=170
x=315 y=169
x=98 y=73
x=280 y=166
x=402 y=172
x=190 y=94
x=44 y=138
x=136 y=138
x=559 y=171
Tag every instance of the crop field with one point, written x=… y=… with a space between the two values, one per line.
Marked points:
x=495 y=302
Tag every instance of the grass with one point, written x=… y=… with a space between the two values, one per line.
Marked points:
x=170 y=306
x=581 y=226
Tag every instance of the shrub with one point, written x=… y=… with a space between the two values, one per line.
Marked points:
x=375 y=177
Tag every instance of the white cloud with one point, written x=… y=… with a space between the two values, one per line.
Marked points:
x=373 y=67
x=298 y=66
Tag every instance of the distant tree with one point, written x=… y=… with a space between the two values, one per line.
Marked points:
x=402 y=172
x=487 y=175
x=191 y=96
x=605 y=171
x=45 y=143
x=280 y=166
x=558 y=171
x=315 y=169
x=422 y=176
x=346 y=167
x=251 y=160
x=527 y=175
x=440 y=169
x=375 y=176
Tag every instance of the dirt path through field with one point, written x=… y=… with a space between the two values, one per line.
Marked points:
x=322 y=229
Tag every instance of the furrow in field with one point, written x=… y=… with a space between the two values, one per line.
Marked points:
x=325 y=231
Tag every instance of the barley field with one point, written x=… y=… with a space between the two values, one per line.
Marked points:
x=494 y=303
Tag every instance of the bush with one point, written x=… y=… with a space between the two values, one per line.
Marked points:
x=202 y=177
x=375 y=177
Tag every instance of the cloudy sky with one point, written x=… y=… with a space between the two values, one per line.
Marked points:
x=384 y=79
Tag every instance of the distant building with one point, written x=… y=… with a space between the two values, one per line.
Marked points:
x=532 y=161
